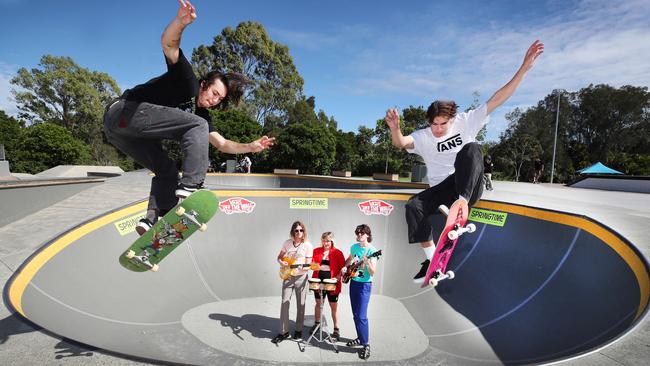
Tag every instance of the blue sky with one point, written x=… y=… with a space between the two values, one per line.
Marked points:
x=357 y=58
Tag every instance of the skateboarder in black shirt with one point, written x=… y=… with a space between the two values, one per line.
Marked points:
x=174 y=106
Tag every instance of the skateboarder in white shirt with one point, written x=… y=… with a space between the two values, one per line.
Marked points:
x=453 y=158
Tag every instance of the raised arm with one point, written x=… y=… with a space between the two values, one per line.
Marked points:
x=171 y=37
x=231 y=147
x=507 y=90
x=399 y=141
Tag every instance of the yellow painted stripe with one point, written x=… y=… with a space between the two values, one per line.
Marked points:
x=38 y=261
x=617 y=244
x=28 y=272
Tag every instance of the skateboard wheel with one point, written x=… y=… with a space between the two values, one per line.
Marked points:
x=180 y=210
x=203 y=227
x=471 y=228
x=433 y=282
x=451 y=275
x=130 y=254
x=154 y=268
x=453 y=235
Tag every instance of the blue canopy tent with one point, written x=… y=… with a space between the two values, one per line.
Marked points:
x=598 y=168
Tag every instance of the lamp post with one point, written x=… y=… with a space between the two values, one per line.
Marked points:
x=557 y=118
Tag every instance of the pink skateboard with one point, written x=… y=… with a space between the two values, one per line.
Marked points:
x=454 y=228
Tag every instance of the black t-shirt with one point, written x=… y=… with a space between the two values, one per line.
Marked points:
x=177 y=88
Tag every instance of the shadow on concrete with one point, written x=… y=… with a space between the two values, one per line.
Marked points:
x=14 y=325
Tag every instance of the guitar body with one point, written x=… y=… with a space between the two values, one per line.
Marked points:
x=353 y=268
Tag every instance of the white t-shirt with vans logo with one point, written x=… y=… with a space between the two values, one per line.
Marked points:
x=439 y=154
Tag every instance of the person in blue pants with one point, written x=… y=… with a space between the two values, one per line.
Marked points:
x=361 y=286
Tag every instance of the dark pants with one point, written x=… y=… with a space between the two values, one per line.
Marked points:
x=467 y=181
x=137 y=130
x=359 y=299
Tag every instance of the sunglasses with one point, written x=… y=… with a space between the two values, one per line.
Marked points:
x=360 y=233
x=299 y=231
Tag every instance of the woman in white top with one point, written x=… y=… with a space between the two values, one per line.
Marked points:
x=296 y=253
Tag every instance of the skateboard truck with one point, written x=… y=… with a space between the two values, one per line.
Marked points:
x=180 y=211
x=144 y=259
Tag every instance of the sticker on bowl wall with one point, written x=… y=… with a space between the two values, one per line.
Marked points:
x=235 y=205
x=375 y=207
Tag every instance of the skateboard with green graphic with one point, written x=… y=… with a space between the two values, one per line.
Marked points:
x=170 y=231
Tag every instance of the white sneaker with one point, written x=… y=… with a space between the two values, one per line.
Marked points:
x=143 y=226
x=183 y=191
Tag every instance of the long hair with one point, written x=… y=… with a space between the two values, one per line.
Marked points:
x=304 y=228
x=235 y=83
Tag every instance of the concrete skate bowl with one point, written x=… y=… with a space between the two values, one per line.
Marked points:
x=531 y=286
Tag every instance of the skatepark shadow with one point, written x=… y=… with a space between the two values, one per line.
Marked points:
x=69 y=348
x=258 y=326
x=265 y=327
x=527 y=305
x=14 y=325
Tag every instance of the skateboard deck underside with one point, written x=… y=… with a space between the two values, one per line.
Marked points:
x=170 y=231
x=445 y=246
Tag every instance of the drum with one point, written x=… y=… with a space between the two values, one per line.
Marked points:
x=314 y=284
x=330 y=284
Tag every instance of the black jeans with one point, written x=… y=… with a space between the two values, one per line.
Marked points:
x=137 y=129
x=467 y=181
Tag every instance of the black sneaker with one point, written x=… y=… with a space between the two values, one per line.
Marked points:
x=354 y=342
x=419 y=277
x=280 y=337
x=142 y=226
x=185 y=190
x=297 y=335
x=364 y=353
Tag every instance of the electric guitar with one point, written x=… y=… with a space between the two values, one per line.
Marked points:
x=292 y=269
x=353 y=268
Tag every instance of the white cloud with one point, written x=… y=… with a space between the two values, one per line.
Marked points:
x=593 y=42
x=7 y=103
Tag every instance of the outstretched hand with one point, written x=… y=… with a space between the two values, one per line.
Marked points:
x=186 y=12
x=262 y=143
x=536 y=49
x=392 y=118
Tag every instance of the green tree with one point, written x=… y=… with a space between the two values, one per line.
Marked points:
x=347 y=155
x=609 y=120
x=514 y=152
x=237 y=126
x=60 y=91
x=311 y=148
x=10 y=129
x=366 y=149
x=46 y=145
x=249 y=49
x=302 y=111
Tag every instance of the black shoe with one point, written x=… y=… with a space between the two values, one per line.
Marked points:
x=335 y=335
x=185 y=190
x=280 y=337
x=364 y=353
x=142 y=226
x=419 y=277
x=297 y=335
x=354 y=342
